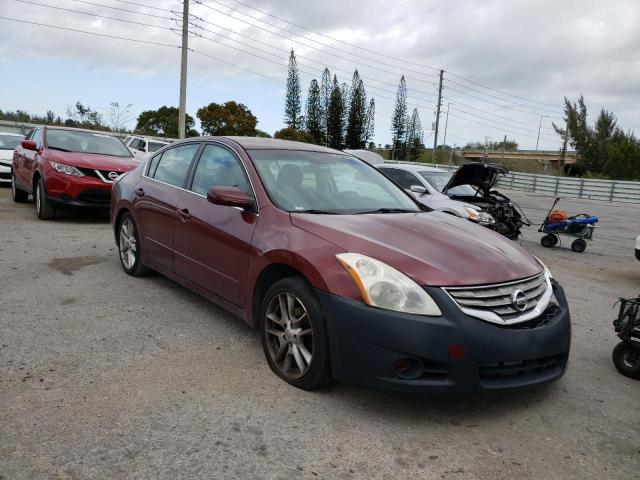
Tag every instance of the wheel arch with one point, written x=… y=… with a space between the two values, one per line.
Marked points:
x=267 y=277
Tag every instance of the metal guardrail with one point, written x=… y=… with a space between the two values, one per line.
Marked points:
x=569 y=187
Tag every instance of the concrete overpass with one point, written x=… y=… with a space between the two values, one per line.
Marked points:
x=542 y=157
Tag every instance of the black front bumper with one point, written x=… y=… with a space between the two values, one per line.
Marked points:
x=92 y=198
x=365 y=343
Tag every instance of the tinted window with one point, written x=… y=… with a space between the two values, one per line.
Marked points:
x=155 y=146
x=137 y=144
x=218 y=167
x=403 y=178
x=298 y=180
x=9 y=142
x=174 y=164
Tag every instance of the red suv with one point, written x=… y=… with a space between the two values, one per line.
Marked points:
x=344 y=274
x=67 y=167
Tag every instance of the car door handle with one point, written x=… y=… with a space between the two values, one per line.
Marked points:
x=184 y=213
x=139 y=192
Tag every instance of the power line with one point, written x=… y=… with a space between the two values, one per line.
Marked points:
x=323 y=35
x=146 y=6
x=92 y=14
x=494 y=127
x=311 y=46
x=501 y=91
x=127 y=10
x=89 y=33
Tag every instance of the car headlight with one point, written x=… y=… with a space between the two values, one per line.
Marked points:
x=479 y=216
x=66 y=169
x=383 y=286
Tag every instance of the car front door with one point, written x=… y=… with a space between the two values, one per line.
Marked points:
x=158 y=194
x=30 y=160
x=213 y=242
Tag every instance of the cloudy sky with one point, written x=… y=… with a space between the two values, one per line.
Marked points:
x=508 y=64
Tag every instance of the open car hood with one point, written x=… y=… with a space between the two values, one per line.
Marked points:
x=483 y=176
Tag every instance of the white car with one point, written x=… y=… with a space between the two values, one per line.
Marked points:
x=142 y=147
x=414 y=179
x=8 y=141
x=638 y=247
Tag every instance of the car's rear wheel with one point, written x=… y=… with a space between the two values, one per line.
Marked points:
x=294 y=335
x=44 y=209
x=129 y=247
x=19 y=196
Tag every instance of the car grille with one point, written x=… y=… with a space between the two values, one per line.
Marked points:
x=5 y=175
x=509 y=373
x=95 y=197
x=495 y=302
x=100 y=174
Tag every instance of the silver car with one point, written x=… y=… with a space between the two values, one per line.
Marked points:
x=415 y=179
x=8 y=141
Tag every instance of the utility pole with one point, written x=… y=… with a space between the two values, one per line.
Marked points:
x=182 y=110
x=435 y=136
x=446 y=124
x=504 y=147
x=539 y=128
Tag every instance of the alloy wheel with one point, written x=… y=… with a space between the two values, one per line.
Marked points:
x=289 y=334
x=128 y=244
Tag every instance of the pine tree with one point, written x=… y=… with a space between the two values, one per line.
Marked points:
x=346 y=103
x=313 y=116
x=399 y=121
x=414 y=136
x=292 y=101
x=325 y=98
x=369 y=125
x=335 y=120
x=355 y=137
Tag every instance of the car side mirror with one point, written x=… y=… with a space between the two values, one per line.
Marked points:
x=29 y=145
x=229 y=197
x=419 y=189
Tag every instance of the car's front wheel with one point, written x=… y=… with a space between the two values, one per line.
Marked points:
x=44 y=209
x=294 y=335
x=129 y=246
x=19 y=196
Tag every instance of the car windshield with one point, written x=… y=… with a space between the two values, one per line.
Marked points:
x=439 y=180
x=155 y=146
x=319 y=182
x=9 y=142
x=85 y=142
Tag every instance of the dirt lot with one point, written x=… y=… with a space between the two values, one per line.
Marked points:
x=107 y=376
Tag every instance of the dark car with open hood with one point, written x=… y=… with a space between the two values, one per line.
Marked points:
x=474 y=183
x=343 y=273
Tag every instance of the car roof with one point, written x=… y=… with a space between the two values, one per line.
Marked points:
x=261 y=143
x=413 y=167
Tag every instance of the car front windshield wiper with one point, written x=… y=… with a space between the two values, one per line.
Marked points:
x=59 y=148
x=389 y=210
x=314 y=211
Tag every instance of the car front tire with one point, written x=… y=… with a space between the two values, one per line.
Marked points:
x=44 y=209
x=294 y=334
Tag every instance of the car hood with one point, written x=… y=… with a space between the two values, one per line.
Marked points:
x=6 y=156
x=432 y=248
x=483 y=176
x=93 y=161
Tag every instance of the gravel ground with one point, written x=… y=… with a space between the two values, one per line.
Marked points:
x=107 y=376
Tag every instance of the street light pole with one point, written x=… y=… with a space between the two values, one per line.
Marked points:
x=446 y=124
x=182 y=109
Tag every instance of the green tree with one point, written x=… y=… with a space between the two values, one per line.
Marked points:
x=369 y=125
x=85 y=116
x=262 y=134
x=399 y=122
x=292 y=101
x=356 y=121
x=335 y=120
x=119 y=116
x=229 y=118
x=163 y=122
x=289 y=133
x=415 y=136
x=313 y=114
x=325 y=99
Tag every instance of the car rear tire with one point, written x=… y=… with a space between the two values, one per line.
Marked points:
x=129 y=247
x=18 y=195
x=626 y=358
x=44 y=209
x=294 y=334
x=578 y=245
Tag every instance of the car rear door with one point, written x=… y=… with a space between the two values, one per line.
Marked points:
x=213 y=242
x=158 y=194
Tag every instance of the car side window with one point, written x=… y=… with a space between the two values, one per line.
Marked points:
x=36 y=137
x=403 y=178
x=136 y=144
x=153 y=164
x=218 y=167
x=174 y=164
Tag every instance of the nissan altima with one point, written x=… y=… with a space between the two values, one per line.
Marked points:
x=343 y=273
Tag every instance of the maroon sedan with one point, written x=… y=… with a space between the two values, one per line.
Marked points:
x=345 y=275
x=67 y=167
